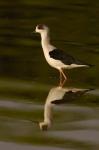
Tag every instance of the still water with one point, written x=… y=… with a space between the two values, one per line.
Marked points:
x=29 y=92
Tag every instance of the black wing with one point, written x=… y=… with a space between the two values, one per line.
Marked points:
x=70 y=96
x=65 y=58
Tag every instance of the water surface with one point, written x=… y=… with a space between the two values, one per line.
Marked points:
x=26 y=80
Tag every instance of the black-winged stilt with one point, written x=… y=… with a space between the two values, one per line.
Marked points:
x=56 y=57
x=56 y=96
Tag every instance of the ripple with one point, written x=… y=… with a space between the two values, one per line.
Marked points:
x=19 y=105
x=88 y=136
x=14 y=146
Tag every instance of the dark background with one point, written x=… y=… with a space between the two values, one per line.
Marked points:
x=74 y=26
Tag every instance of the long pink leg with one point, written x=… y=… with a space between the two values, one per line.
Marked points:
x=60 y=84
x=65 y=78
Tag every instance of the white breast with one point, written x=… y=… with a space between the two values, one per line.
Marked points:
x=55 y=63
x=52 y=62
x=47 y=47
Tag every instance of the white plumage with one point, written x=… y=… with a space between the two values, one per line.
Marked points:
x=58 y=95
x=55 y=57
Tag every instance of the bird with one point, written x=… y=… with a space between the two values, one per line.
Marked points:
x=56 y=96
x=55 y=57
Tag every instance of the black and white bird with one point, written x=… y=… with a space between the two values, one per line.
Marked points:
x=56 y=96
x=56 y=57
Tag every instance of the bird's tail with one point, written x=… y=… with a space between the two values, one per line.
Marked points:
x=90 y=65
x=87 y=90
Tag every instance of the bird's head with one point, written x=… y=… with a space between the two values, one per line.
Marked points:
x=41 y=28
x=43 y=126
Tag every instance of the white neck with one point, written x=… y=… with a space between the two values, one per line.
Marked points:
x=45 y=39
x=48 y=113
x=45 y=42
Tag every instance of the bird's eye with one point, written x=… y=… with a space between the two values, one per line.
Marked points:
x=40 y=26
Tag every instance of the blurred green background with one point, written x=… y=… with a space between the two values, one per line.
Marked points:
x=26 y=78
x=74 y=28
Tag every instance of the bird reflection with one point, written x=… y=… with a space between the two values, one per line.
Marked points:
x=58 y=95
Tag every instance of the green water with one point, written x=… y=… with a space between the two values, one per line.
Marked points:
x=26 y=79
